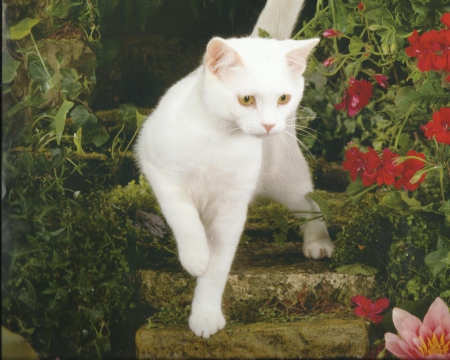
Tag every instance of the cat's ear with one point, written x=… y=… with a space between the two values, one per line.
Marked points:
x=298 y=54
x=220 y=57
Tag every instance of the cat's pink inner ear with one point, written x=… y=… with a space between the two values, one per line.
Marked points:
x=220 y=57
x=297 y=57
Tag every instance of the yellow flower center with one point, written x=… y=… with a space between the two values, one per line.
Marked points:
x=434 y=346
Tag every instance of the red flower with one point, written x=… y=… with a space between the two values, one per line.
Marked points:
x=432 y=50
x=367 y=308
x=381 y=80
x=409 y=168
x=439 y=126
x=445 y=19
x=361 y=6
x=356 y=96
x=355 y=162
x=385 y=172
x=331 y=33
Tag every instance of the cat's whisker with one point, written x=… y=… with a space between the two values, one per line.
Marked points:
x=302 y=145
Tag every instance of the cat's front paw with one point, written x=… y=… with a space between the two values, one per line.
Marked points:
x=318 y=248
x=195 y=259
x=205 y=324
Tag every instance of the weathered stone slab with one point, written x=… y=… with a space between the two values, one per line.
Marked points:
x=257 y=276
x=329 y=338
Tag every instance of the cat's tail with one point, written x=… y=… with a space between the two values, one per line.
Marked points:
x=278 y=18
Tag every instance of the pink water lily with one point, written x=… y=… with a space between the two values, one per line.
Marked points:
x=427 y=340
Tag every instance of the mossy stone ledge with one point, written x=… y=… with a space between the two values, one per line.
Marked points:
x=328 y=338
x=260 y=273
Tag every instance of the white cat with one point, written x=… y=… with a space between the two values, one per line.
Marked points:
x=222 y=135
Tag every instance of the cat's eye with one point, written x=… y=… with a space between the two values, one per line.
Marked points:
x=246 y=100
x=284 y=99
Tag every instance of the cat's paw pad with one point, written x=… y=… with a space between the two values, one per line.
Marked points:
x=318 y=249
x=195 y=260
x=205 y=324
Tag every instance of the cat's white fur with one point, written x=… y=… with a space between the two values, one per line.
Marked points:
x=206 y=155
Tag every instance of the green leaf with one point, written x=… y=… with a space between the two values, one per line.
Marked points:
x=355 y=45
x=70 y=84
x=93 y=129
x=77 y=139
x=408 y=200
x=15 y=109
x=9 y=71
x=393 y=200
x=263 y=34
x=22 y=29
x=434 y=261
x=60 y=119
x=445 y=207
x=38 y=73
x=356 y=190
x=405 y=144
x=128 y=112
x=323 y=206
x=140 y=119
x=357 y=269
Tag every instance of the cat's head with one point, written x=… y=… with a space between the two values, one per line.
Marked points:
x=254 y=85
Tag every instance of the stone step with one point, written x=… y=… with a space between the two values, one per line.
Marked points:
x=276 y=302
x=327 y=338
x=261 y=273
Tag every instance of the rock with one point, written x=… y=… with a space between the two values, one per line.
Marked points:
x=327 y=338
x=154 y=224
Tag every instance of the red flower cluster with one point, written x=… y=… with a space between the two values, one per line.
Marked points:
x=373 y=169
x=356 y=96
x=432 y=48
x=439 y=126
x=369 y=309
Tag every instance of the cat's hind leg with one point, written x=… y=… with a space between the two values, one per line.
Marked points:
x=182 y=216
x=285 y=178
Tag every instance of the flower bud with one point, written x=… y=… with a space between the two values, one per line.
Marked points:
x=331 y=33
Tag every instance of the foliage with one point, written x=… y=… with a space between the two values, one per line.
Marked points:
x=393 y=111
x=72 y=241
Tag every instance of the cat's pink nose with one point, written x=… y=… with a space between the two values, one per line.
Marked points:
x=268 y=127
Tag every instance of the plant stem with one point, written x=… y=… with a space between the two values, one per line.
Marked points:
x=40 y=57
x=402 y=126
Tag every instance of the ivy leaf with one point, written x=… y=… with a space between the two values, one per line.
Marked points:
x=93 y=129
x=357 y=269
x=38 y=73
x=60 y=119
x=22 y=29
x=323 y=206
x=69 y=83
x=9 y=71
